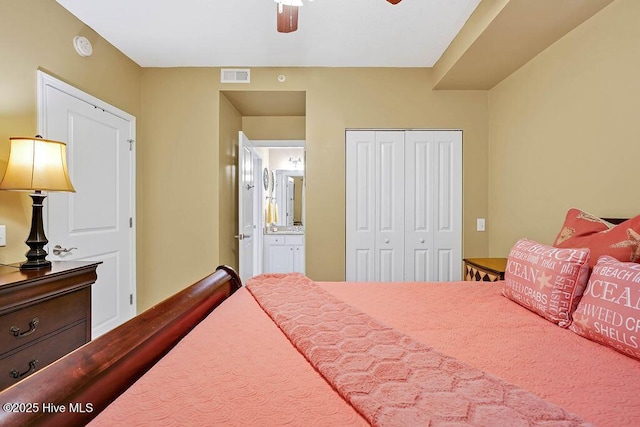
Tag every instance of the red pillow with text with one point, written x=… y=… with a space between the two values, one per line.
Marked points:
x=581 y=230
x=609 y=311
x=548 y=281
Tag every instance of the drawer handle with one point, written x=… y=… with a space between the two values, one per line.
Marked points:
x=32 y=367
x=32 y=328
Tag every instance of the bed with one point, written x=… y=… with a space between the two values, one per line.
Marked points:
x=244 y=363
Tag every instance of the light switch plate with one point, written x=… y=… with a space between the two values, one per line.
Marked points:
x=3 y=235
x=480 y=224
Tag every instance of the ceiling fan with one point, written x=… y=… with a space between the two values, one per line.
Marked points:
x=287 y=12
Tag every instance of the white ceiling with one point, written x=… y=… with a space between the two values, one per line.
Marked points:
x=332 y=33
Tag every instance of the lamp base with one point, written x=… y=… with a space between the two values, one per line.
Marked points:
x=36 y=256
x=36 y=265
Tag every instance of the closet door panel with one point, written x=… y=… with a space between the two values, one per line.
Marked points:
x=422 y=266
x=362 y=269
x=389 y=206
x=446 y=264
x=360 y=205
x=447 y=236
x=419 y=205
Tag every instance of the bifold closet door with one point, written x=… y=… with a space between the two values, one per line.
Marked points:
x=433 y=207
x=375 y=206
x=403 y=205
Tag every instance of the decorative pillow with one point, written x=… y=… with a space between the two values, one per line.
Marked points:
x=548 y=281
x=582 y=230
x=578 y=223
x=609 y=311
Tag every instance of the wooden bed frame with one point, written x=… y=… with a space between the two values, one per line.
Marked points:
x=615 y=221
x=87 y=380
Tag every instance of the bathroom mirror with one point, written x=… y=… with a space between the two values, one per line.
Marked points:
x=289 y=193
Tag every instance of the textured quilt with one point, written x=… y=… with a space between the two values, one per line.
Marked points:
x=389 y=377
x=237 y=368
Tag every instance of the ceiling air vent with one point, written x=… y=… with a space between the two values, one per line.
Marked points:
x=235 y=75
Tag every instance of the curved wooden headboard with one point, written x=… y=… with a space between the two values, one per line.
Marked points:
x=92 y=376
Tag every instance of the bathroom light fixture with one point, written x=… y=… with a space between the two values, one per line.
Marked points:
x=295 y=161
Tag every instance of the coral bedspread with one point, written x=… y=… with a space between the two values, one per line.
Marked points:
x=237 y=368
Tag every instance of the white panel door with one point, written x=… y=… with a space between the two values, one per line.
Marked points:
x=360 y=205
x=374 y=205
x=389 y=207
x=433 y=214
x=419 y=206
x=447 y=242
x=246 y=197
x=96 y=222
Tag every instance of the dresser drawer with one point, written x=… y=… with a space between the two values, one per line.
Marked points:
x=40 y=354
x=31 y=323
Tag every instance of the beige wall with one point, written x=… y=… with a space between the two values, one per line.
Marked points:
x=557 y=133
x=231 y=123
x=337 y=99
x=178 y=177
x=38 y=34
x=563 y=131
x=270 y=127
x=185 y=132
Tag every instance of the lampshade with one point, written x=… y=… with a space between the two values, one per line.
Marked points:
x=37 y=164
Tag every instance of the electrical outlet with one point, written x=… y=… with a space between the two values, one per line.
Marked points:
x=3 y=235
x=480 y=224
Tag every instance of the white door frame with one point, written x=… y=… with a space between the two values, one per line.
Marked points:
x=44 y=80
x=258 y=220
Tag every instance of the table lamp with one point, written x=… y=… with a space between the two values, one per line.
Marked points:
x=39 y=165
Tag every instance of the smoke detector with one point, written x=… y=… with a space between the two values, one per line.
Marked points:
x=82 y=46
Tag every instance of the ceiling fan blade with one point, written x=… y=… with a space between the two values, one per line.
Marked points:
x=287 y=18
x=394 y=1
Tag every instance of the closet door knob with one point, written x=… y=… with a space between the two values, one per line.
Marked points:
x=421 y=240
x=386 y=240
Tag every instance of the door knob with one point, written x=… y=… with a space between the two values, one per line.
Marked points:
x=386 y=240
x=59 y=250
x=242 y=236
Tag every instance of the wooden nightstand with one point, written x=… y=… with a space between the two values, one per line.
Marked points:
x=44 y=314
x=484 y=269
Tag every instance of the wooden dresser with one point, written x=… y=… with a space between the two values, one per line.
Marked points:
x=44 y=315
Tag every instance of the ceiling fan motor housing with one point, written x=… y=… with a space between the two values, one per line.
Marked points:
x=288 y=14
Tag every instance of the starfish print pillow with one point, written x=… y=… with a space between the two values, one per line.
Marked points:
x=609 y=311
x=548 y=281
x=578 y=223
x=621 y=241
